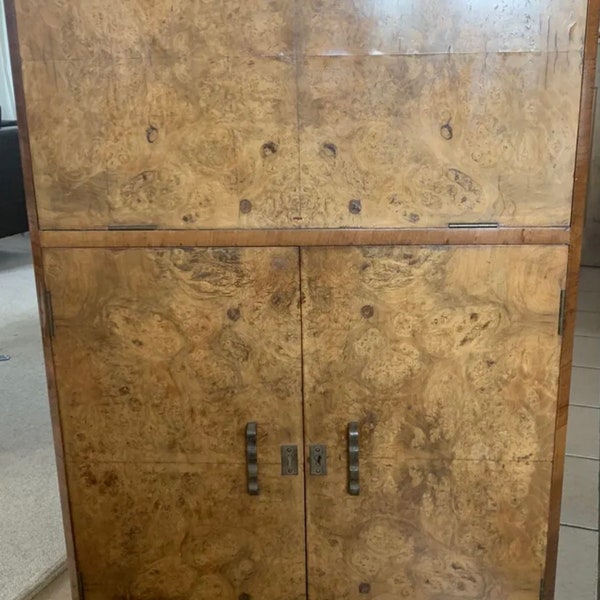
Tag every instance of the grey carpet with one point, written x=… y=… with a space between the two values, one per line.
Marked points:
x=32 y=549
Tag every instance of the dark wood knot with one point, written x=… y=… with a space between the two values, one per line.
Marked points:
x=233 y=314
x=355 y=206
x=446 y=131
x=151 y=134
x=276 y=299
x=269 y=148
x=245 y=206
x=367 y=311
x=329 y=149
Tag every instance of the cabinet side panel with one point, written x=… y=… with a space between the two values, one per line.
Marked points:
x=582 y=167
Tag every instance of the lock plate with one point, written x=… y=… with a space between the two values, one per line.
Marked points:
x=289 y=460
x=317 y=457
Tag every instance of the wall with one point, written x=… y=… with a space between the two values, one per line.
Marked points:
x=7 y=100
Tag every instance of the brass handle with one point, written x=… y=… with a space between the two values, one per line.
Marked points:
x=252 y=458
x=353 y=471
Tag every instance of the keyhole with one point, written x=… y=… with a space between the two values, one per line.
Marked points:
x=319 y=459
x=290 y=468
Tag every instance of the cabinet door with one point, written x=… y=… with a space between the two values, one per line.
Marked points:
x=162 y=357
x=448 y=360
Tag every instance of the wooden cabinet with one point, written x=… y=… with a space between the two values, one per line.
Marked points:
x=351 y=225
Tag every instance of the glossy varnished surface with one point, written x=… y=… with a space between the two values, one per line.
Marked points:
x=582 y=177
x=448 y=358
x=165 y=355
x=427 y=141
x=187 y=532
x=303 y=237
x=169 y=143
x=162 y=357
x=441 y=26
x=427 y=113
x=441 y=352
x=429 y=529
x=78 y=29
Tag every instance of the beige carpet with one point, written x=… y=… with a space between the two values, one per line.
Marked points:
x=32 y=547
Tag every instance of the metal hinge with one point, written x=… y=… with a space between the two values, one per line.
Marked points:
x=473 y=225
x=542 y=589
x=49 y=313
x=80 y=587
x=561 y=312
x=140 y=227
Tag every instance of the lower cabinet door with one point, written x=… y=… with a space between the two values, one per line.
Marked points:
x=444 y=361
x=162 y=358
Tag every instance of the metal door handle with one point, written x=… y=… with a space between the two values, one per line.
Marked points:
x=353 y=472
x=252 y=458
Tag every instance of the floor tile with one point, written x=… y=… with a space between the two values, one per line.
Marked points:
x=59 y=589
x=576 y=577
x=580 y=493
x=585 y=387
x=588 y=301
x=583 y=432
x=586 y=352
x=587 y=324
x=589 y=279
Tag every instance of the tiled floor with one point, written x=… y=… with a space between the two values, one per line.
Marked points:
x=577 y=577
x=578 y=551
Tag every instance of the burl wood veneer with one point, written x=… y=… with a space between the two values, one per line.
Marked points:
x=301 y=114
x=161 y=358
x=306 y=213
x=448 y=360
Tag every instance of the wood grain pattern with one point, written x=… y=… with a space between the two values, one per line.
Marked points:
x=175 y=119
x=94 y=29
x=97 y=29
x=371 y=27
x=582 y=167
x=171 y=143
x=190 y=531
x=427 y=141
x=37 y=254
x=456 y=356
x=162 y=357
x=303 y=237
x=165 y=355
x=448 y=359
x=429 y=529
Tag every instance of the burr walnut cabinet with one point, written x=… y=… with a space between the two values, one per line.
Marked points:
x=307 y=275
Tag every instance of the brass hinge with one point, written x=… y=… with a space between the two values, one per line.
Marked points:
x=542 y=590
x=473 y=225
x=80 y=587
x=49 y=313
x=140 y=227
x=561 y=312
